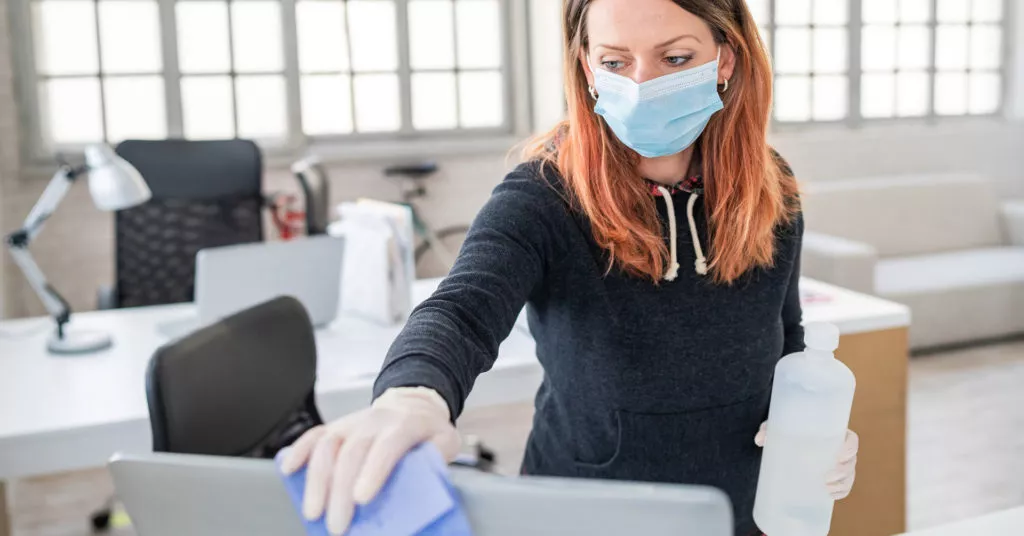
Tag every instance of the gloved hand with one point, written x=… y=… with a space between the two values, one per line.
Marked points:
x=350 y=459
x=840 y=480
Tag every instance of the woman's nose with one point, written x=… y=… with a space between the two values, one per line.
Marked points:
x=645 y=71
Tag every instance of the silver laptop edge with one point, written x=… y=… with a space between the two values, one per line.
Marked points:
x=170 y=495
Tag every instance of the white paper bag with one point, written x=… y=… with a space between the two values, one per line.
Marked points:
x=378 y=270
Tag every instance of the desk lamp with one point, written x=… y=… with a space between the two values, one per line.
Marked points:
x=114 y=185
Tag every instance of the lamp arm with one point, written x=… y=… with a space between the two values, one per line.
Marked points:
x=49 y=201
x=54 y=302
x=19 y=241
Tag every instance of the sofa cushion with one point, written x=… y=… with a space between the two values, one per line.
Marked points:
x=944 y=271
x=903 y=216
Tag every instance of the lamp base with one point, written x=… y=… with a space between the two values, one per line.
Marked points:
x=79 y=342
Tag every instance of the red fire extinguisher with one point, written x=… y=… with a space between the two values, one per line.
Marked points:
x=289 y=220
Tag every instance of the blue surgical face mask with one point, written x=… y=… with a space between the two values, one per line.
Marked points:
x=660 y=117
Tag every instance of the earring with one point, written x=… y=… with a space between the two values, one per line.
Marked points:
x=593 y=92
x=726 y=84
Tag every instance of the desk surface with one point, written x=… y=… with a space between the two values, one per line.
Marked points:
x=64 y=413
x=998 y=524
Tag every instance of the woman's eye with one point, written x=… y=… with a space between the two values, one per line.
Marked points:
x=613 y=65
x=678 y=61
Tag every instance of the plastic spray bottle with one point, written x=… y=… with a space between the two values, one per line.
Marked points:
x=811 y=400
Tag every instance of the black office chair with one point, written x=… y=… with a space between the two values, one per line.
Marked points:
x=241 y=387
x=205 y=194
x=315 y=185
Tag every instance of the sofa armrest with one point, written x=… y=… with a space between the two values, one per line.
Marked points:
x=1013 y=221
x=839 y=261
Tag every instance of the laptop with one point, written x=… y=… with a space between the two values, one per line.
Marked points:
x=233 y=278
x=174 y=494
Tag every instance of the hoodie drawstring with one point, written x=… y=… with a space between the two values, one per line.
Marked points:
x=701 y=265
x=673 y=268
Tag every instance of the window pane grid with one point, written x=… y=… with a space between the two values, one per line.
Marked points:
x=99 y=63
x=240 y=62
x=456 y=66
x=810 y=40
x=913 y=58
x=931 y=57
x=899 y=70
x=226 y=68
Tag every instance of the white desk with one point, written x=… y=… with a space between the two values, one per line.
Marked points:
x=1006 y=523
x=66 y=413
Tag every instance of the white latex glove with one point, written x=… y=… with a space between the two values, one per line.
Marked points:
x=840 y=479
x=350 y=459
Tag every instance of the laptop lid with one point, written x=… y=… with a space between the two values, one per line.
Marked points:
x=172 y=494
x=230 y=279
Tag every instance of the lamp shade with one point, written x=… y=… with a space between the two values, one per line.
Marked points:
x=113 y=182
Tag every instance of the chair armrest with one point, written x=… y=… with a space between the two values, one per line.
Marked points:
x=106 y=297
x=839 y=261
x=1013 y=221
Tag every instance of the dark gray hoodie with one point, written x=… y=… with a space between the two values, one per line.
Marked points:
x=663 y=382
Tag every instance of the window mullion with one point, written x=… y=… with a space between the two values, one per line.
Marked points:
x=99 y=70
x=856 y=33
x=293 y=84
x=770 y=28
x=456 y=64
x=27 y=76
x=404 y=65
x=172 y=70
x=516 y=51
x=232 y=73
x=933 y=70
x=1007 y=99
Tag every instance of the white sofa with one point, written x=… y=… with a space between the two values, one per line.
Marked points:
x=945 y=245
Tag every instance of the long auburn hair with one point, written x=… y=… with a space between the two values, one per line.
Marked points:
x=749 y=190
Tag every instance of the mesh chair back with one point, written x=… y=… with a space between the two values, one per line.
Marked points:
x=241 y=387
x=205 y=194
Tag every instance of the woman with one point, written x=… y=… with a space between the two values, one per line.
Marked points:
x=654 y=237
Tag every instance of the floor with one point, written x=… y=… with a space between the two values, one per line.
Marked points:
x=966 y=447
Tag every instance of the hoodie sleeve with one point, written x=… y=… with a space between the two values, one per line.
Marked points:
x=453 y=337
x=792 y=311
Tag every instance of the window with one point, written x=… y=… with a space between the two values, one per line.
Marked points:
x=99 y=67
x=857 y=60
x=280 y=71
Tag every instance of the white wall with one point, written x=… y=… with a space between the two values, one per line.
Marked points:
x=9 y=163
x=993 y=148
x=546 y=59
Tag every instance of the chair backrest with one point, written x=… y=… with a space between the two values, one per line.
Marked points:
x=205 y=194
x=911 y=215
x=240 y=387
x=316 y=187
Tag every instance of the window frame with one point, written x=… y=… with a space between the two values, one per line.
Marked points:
x=855 y=27
x=403 y=143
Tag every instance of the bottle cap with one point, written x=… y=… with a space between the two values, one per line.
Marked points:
x=821 y=336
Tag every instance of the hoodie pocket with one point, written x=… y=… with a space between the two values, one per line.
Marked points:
x=713 y=446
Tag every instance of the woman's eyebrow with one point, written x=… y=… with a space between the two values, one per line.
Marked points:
x=613 y=47
x=680 y=38
x=662 y=45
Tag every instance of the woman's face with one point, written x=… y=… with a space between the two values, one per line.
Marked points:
x=648 y=39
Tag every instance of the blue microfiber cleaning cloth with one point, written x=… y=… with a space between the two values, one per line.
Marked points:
x=417 y=500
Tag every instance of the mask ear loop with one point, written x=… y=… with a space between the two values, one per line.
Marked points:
x=593 y=92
